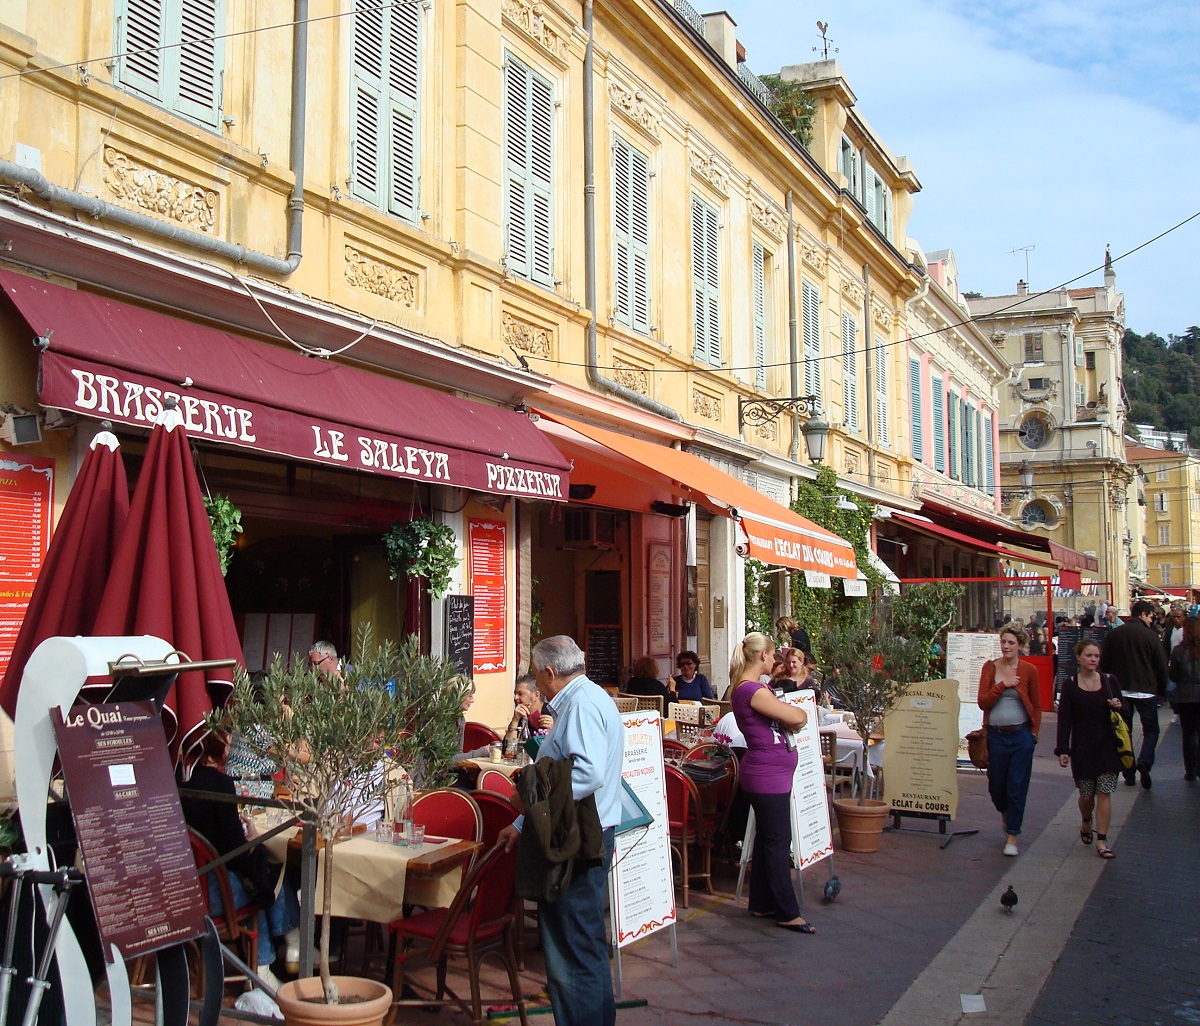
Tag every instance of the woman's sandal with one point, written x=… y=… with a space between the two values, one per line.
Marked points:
x=800 y=927
x=1085 y=832
x=1102 y=848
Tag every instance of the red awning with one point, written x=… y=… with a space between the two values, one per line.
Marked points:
x=774 y=534
x=1071 y=559
x=113 y=361
x=978 y=544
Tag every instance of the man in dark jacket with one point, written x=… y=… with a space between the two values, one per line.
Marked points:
x=1133 y=653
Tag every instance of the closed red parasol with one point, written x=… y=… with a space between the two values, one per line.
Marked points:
x=77 y=562
x=166 y=579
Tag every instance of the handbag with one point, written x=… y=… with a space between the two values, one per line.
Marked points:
x=977 y=750
x=1120 y=729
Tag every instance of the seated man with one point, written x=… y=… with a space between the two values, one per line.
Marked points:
x=528 y=718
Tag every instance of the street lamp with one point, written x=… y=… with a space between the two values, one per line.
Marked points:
x=763 y=411
x=1025 y=474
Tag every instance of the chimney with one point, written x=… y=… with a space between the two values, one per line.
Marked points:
x=1022 y=288
x=720 y=32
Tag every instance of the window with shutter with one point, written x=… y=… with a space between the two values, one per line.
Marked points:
x=939 y=424
x=980 y=462
x=631 y=235
x=883 y=429
x=989 y=457
x=1033 y=347
x=759 y=260
x=916 y=408
x=952 y=443
x=867 y=195
x=968 y=445
x=850 y=371
x=811 y=313
x=706 y=283
x=384 y=97
x=528 y=172
x=171 y=55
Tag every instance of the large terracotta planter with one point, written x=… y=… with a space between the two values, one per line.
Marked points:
x=861 y=826
x=375 y=1000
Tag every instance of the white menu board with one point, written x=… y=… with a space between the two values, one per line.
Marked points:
x=644 y=883
x=812 y=835
x=965 y=656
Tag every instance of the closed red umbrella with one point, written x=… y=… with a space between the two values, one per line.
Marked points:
x=64 y=600
x=166 y=579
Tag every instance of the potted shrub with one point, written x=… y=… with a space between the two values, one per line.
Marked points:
x=872 y=667
x=334 y=742
x=420 y=548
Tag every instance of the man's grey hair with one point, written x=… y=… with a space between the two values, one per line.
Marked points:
x=322 y=649
x=560 y=654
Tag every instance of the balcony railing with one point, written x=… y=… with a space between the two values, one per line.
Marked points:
x=752 y=82
x=692 y=16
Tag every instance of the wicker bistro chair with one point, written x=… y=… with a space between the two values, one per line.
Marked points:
x=688 y=827
x=673 y=751
x=717 y=708
x=688 y=721
x=625 y=703
x=838 y=776
x=716 y=795
x=654 y=702
x=480 y=921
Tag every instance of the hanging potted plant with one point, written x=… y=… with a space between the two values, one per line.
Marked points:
x=872 y=668
x=334 y=743
x=419 y=548
x=226 y=522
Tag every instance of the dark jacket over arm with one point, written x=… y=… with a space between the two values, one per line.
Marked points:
x=1134 y=654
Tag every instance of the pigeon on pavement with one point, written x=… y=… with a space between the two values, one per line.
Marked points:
x=1009 y=900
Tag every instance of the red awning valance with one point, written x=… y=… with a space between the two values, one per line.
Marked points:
x=1072 y=559
x=114 y=361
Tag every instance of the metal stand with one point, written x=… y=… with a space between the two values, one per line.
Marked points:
x=941 y=819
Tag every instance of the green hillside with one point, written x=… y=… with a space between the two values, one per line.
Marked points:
x=1162 y=381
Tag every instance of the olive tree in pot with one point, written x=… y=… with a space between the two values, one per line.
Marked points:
x=335 y=743
x=872 y=667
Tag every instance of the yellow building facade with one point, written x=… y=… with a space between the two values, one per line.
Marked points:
x=1171 y=486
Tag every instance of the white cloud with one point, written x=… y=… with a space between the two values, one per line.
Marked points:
x=1020 y=139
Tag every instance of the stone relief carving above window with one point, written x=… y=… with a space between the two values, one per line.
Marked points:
x=631 y=376
x=768 y=217
x=635 y=107
x=161 y=194
x=526 y=337
x=381 y=279
x=711 y=170
x=706 y=405
x=530 y=17
x=852 y=289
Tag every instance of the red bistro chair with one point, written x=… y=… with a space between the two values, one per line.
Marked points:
x=478 y=922
x=448 y=812
x=496 y=782
x=685 y=820
x=478 y=735
x=238 y=930
x=497 y=812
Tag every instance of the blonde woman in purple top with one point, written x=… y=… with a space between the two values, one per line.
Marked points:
x=765 y=774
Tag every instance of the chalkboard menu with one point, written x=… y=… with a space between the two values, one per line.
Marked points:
x=603 y=654
x=460 y=632
x=1068 y=638
x=140 y=871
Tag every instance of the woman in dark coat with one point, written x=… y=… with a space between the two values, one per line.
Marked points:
x=1185 y=672
x=1085 y=741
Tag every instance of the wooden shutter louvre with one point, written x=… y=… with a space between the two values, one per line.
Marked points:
x=760 y=316
x=197 y=88
x=403 y=44
x=989 y=457
x=916 y=409
x=882 y=421
x=850 y=371
x=939 y=424
x=541 y=168
x=631 y=235
x=140 y=34
x=706 y=283
x=516 y=151
x=952 y=436
x=811 y=312
x=367 y=152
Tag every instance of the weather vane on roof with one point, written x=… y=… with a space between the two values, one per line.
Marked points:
x=826 y=42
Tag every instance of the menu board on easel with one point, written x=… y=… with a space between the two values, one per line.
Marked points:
x=965 y=655
x=140 y=871
x=603 y=651
x=812 y=834
x=460 y=632
x=920 y=760
x=26 y=491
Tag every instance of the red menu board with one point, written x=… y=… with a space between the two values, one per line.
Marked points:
x=486 y=541
x=125 y=804
x=26 y=494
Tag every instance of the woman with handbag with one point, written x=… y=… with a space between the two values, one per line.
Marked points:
x=1009 y=696
x=1185 y=672
x=1085 y=741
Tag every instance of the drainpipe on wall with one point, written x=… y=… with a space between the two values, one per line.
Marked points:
x=589 y=234
x=253 y=259
x=870 y=355
x=793 y=328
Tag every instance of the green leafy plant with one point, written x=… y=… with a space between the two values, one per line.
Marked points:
x=924 y=611
x=760 y=599
x=339 y=744
x=226 y=522
x=422 y=549
x=792 y=105
x=536 y=606
x=871 y=666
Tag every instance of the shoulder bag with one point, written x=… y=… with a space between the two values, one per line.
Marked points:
x=1119 y=727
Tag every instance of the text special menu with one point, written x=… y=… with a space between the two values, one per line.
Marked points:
x=137 y=857
x=486 y=545
x=920 y=762
x=26 y=491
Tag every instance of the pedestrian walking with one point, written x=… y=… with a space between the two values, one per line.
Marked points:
x=1133 y=653
x=1085 y=742
x=1185 y=672
x=1009 y=696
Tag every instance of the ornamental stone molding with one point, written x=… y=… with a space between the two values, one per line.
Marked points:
x=631 y=376
x=381 y=279
x=813 y=254
x=768 y=217
x=1034 y=397
x=850 y=462
x=769 y=431
x=708 y=168
x=706 y=405
x=632 y=104
x=530 y=17
x=526 y=337
x=882 y=313
x=853 y=290
x=163 y=195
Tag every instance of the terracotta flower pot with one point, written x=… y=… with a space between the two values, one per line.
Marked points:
x=369 y=1002
x=860 y=825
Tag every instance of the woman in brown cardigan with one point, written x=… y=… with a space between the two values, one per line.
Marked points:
x=1012 y=716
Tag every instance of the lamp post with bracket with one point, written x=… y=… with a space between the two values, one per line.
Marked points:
x=762 y=411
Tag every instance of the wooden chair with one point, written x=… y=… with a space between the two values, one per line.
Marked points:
x=478 y=922
x=496 y=782
x=625 y=703
x=478 y=735
x=719 y=708
x=685 y=821
x=717 y=797
x=495 y=812
x=239 y=930
x=654 y=702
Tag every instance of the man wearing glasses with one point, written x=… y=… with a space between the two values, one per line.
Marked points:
x=1134 y=654
x=323 y=658
x=690 y=684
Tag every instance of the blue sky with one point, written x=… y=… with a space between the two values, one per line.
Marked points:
x=1061 y=125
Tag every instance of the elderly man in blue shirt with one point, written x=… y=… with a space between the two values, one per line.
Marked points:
x=588 y=729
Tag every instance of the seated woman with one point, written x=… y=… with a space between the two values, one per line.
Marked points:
x=463 y=779
x=789 y=676
x=252 y=876
x=690 y=683
x=528 y=718
x=645 y=680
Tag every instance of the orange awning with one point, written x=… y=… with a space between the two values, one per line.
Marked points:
x=774 y=534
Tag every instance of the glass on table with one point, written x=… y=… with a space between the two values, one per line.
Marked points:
x=416 y=834
x=385 y=830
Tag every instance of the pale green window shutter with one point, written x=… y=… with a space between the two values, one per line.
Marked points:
x=706 y=283
x=952 y=437
x=939 y=424
x=968 y=445
x=199 y=80
x=760 y=315
x=516 y=170
x=141 y=30
x=811 y=312
x=989 y=456
x=882 y=421
x=631 y=235
x=368 y=159
x=916 y=407
x=868 y=190
x=402 y=95
x=980 y=451
x=850 y=370
x=541 y=175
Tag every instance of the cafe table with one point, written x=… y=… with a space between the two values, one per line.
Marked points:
x=509 y=767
